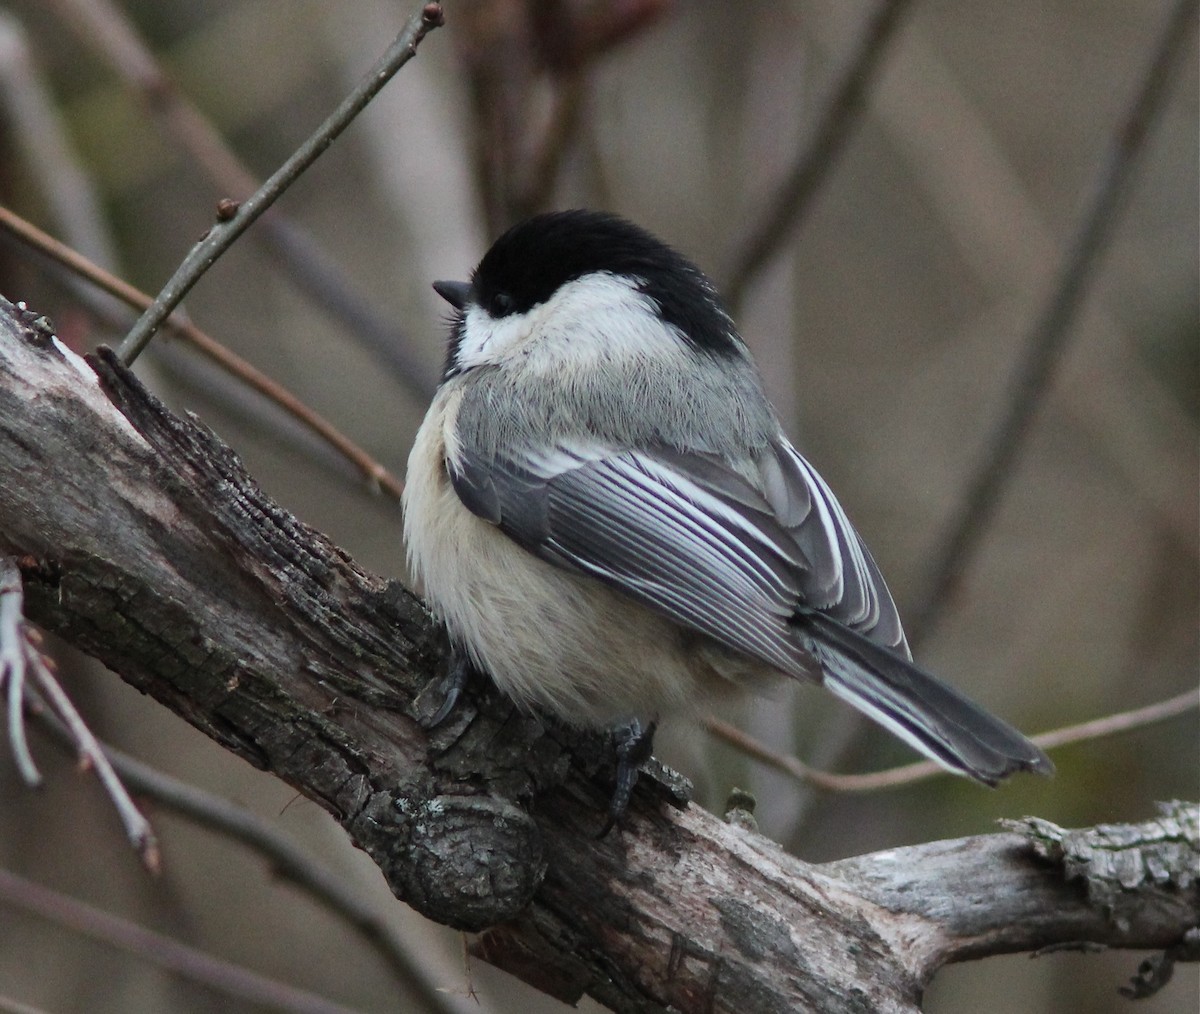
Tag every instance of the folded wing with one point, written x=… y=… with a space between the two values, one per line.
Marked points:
x=772 y=569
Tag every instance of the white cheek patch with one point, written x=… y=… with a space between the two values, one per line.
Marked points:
x=595 y=316
x=486 y=340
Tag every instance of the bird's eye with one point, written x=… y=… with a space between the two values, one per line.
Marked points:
x=501 y=304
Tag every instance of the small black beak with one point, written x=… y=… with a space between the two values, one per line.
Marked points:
x=454 y=293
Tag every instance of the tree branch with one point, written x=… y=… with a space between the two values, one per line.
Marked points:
x=105 y=29
x=375 y=474
x=234 y=218
x=144 y=542
x=919 y=771
x=1042 y=886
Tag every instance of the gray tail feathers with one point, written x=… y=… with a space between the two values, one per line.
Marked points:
x=930 y=716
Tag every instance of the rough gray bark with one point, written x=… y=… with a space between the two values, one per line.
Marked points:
x=142 y=540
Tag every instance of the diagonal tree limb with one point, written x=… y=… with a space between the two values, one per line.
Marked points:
x=146 y=544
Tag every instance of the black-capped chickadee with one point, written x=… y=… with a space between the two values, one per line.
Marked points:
x=603 y=508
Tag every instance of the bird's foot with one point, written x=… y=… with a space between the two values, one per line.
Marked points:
x=634 y=744
x=449 y=688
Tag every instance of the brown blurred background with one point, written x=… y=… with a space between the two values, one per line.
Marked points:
x=889 y=327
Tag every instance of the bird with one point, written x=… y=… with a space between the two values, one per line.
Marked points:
x=604 y=510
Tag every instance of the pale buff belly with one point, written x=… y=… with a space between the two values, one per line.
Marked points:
x=550 y=638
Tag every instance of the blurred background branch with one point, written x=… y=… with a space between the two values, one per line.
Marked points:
x=986 y=484
x=783 y=213
x=1049 y=333
x=233 y=983
x=286 y=860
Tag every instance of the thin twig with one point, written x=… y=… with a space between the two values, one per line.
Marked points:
x=906 y=774
x=1047 y=338
x=374 y=472
x=13 y=650
x=105 y=28
x=288 y=861
x=91 y=758
x=785 y=211
x=203 y=376
x=226 y=978
x=225 y=231
x=1122 y=721
x=26 y=670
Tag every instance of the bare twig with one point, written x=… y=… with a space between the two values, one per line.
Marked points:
x=1047 y=338
x=374 y=472
x=785 y=211
x=225 y=977
x=256 y=411
x=25 y=670
x=906 y=774
x=104 y=27
x=13 y=650
x=226 y=230
x=1122 y=721
x=91 y=758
